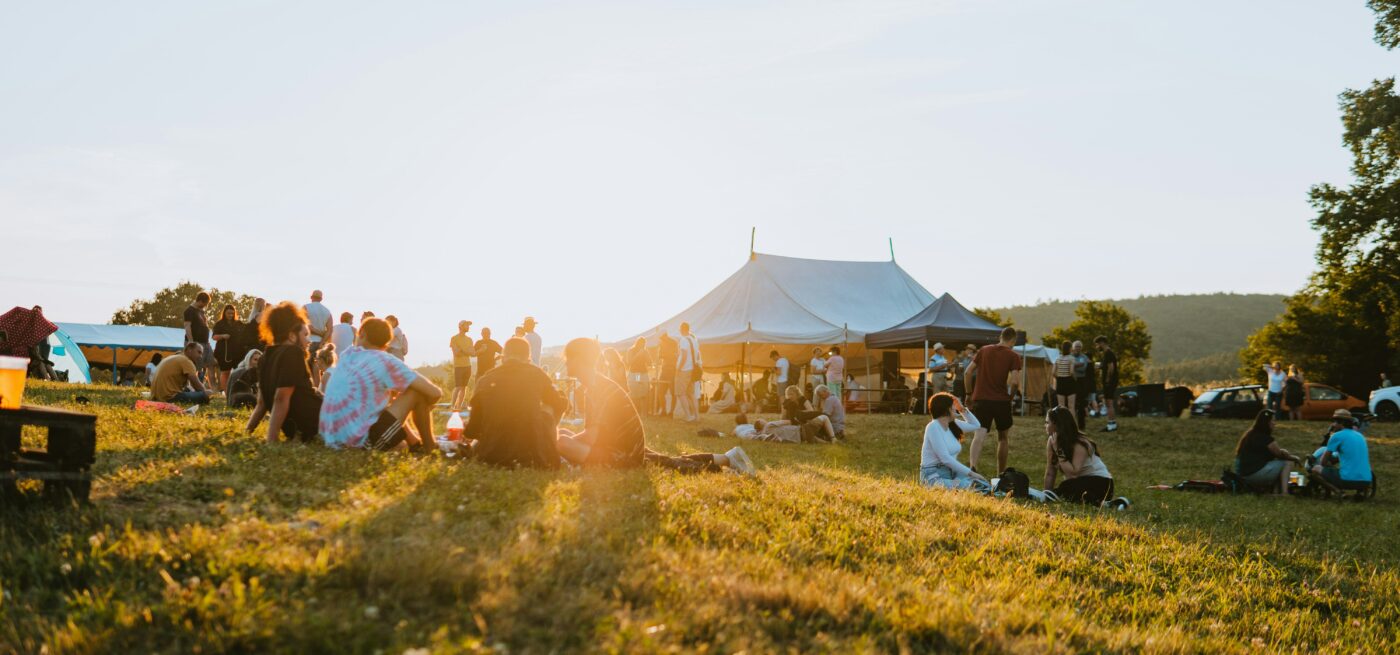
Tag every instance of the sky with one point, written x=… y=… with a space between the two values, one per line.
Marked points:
x=599 y=165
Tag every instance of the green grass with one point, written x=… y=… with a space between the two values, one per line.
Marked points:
x=201 y=539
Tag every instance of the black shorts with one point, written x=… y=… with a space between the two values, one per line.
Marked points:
x=386 y=432
x=1110 y=392
x=1066 y=387
x=993 y=411
x=461 y=376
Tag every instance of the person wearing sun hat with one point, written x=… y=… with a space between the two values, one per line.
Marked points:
x=1346 y=448
x=938 y=369
x=533 y=337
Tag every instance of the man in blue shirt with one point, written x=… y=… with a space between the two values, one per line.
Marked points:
x=1347 y=446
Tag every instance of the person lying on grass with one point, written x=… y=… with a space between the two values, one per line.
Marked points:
x=358 y=411
x=515 y=413
x=613 y=435
x=938 y=462
x=1069 y=452
x=815 y=430
x=286 y=395
x=1260 y=461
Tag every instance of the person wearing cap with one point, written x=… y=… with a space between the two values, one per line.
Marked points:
x=462 y=351
x=533 y=337
x=1345 y=459
x=938 y=370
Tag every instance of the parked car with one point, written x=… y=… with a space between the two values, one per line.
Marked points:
x=1229 y=402
x=1320 y=401
x=1385 y=403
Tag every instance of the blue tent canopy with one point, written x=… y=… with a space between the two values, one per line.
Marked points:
x=122 y=346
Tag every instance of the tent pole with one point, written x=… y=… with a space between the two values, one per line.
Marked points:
x=927 y=381
x=1024 y=380
x=743 y=359
x=115 y=381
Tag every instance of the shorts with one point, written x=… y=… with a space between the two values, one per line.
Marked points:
x=206 y=358
x=386 y=432
x=1110 y=391
x=993 y=411
x=461 y=376
x=1266 y=476
x=1066 y=387
x=835 y=388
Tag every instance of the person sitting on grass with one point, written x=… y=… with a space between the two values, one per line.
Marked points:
x=1260 y=461
x=325 y=365
x=1069 y=452
x=938 y=461
x=1347 y=449
x=613 y=435
x=360 y=409
x=725 y=398
x=515 y=412
x=151 y=368
x=796 y=409
x=177 y=377
x=286 y=395
x=243 y=381
x=834 y=410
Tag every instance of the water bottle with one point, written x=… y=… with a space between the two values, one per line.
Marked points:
x=454 y=427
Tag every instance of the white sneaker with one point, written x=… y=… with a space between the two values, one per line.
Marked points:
x=1120 y=503
x=739 y=461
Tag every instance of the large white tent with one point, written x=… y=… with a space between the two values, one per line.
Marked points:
x=792 y=304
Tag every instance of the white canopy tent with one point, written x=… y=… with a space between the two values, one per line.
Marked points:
x=791 y=304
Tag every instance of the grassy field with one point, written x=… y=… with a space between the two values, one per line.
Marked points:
x=201 y=539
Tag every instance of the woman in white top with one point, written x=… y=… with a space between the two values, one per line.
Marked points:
x=938 y=464
x=816 y=371
x=1070 y=453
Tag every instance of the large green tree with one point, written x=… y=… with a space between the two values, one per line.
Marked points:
x=1126 y=333
x=1343 y=327
x=167 y=307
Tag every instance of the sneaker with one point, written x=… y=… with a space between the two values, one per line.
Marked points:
x=1111 y=427
x=739 y=461
x=1050 y=496
x=1120 y=503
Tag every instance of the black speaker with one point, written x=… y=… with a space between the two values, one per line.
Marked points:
x=889 y=367
x=1021 y=337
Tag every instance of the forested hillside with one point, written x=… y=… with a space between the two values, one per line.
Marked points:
x=1195 y=338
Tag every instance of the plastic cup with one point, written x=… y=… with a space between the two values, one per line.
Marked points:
x=12 y=373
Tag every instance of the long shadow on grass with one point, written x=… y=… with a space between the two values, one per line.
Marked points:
x=528 y=559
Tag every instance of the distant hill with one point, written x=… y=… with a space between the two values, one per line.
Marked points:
x=1195 y=338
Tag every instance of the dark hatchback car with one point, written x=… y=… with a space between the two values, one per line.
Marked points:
x=1230 y=402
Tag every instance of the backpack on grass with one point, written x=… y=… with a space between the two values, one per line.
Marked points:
x=1014 y=484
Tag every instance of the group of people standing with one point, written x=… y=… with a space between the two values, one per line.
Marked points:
x=1287 y=390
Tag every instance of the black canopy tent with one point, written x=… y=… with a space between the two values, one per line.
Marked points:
x=945 y=320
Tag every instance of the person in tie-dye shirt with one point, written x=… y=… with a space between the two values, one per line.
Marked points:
x=358 y=412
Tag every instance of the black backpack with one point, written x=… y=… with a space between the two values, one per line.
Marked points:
x=1014 y=484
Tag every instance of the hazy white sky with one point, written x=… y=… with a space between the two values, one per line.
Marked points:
x=599 y=165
